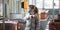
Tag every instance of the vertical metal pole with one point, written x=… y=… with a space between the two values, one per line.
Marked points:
x=43 y=4
x=20 y=6
x=59 y=4
x=28 y=2
x=59 y=7
x=3 y=3
x=53 y=9
x=6 y=10
x=32 y=2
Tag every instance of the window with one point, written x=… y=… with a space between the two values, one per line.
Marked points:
x=30 y=2
x=56 y=4
x=39 y=3
x=1 y=11
x=48 y=4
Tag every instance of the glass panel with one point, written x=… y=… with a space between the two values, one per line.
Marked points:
x=56 y=4
x=34 y=1
x=30 y=2
x=17 y=11
x=48 y=4
x=39 y=3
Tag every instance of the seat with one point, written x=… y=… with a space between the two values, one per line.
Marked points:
x=54 y=25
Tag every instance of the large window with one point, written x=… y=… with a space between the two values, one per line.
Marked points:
x=56 y=4
x=16 y=10
x=39 y=3
x=47 y=4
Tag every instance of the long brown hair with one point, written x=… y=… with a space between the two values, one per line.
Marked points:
x=34 y=7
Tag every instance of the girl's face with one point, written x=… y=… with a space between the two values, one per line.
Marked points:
x=32 y=12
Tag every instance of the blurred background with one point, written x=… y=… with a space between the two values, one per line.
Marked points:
x=13 y=10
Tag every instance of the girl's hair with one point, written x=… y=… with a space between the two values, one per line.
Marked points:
x=31 y=6
x=34 y=7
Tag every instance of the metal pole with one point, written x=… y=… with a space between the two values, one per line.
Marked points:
x=53 y=9
x=3 y=3
x=20 y=6
x=59 y=8
x=43 y=4
x=59 y=4
x=32 y=2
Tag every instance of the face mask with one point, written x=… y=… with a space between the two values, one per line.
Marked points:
x=29 y=11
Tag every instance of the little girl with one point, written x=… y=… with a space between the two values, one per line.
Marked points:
x=32 y=18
